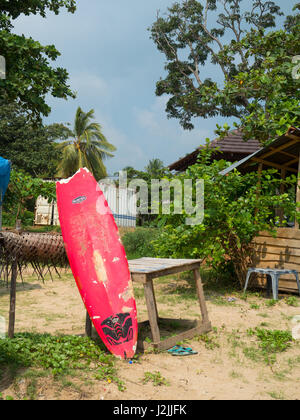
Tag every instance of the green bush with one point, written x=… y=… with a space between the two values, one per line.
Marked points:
x=237 y=208
x=9 y=219
x=138 y=243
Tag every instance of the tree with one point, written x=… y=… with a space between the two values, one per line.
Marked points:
x=234 y=214
x=28 y=146
x=88 y=147
x=257 y=87
x=155 y=168
x=29 y=75
x=22 y=189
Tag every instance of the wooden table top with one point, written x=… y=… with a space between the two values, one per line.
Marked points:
x=152 y=265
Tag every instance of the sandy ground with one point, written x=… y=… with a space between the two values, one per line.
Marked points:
x=220 y=370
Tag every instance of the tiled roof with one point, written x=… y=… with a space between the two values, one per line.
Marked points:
x=233 y=148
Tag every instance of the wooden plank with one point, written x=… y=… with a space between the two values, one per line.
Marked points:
x=163 y=271
x=294 y=243
x=158 y=261
x=282 y=259
x=273 y=165
x=277 y=250
x=151 y=264
x=282 y=147
x=138 y=277
x=287 y=285
x=289 y=233
x=171 y=341
x=172 y=270
x=171 y=260
x=143 y=269
x=12 y=305
x=273 y=264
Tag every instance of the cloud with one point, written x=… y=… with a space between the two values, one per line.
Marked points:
x=128 y=152
x=90 y=85
x=169 y=140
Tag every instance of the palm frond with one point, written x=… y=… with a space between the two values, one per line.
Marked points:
x=88 y=148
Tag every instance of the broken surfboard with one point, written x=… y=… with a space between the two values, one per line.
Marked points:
x=98 y=261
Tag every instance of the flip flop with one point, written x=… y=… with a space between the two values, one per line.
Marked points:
x=184 y=352
x=181 y=351
x=175 y=349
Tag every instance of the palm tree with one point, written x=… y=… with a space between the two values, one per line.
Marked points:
x=88 y=148
x=155 y=168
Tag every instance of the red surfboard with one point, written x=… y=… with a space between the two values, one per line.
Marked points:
x=98 y=261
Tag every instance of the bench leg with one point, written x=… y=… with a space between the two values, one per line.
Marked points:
x=88 y=325
x=152 y=310
x=201 y=297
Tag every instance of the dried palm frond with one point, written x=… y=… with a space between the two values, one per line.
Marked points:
x=42 y=251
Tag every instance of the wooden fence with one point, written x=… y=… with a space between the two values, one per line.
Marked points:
x=280 y=252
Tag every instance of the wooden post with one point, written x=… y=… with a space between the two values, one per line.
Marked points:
x=298 y=192
x=0 y=210
x=260 y=167
x=281 y=213
x=88 y=325
x=12 y=307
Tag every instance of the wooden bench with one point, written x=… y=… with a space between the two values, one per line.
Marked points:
x=145 y=270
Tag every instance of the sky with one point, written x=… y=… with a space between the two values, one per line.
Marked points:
x=114 y=66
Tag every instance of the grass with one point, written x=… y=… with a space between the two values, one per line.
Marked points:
x=292 y=301
x=58 y=356
x=222 y=301
x=270 y=342
x=156 y=378
x=277 y=395
x=271 y=302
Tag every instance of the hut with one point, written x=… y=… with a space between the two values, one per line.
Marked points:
x=282 y=251
x=231 y=148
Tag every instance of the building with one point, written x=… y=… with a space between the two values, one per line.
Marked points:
x=282 y=251
x=122 y=202
x=231 y=148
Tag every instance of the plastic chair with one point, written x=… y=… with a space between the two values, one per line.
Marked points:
x=273 y=274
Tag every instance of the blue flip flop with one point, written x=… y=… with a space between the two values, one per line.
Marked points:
x=181 y=351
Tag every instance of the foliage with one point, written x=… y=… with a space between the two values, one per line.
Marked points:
x=271 y=342
x=237 y=208
x=57 y=354
x=154 y=170
x=9 y=219
x=29 y=74
x=88 y=148
x=138 y=243
x=257 y=85
x=22 y=189
x=292 y=301
x=156 y=378
x=30 y=147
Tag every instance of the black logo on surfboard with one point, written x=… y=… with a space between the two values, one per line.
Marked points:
x=79 y=200
x=118 y=329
